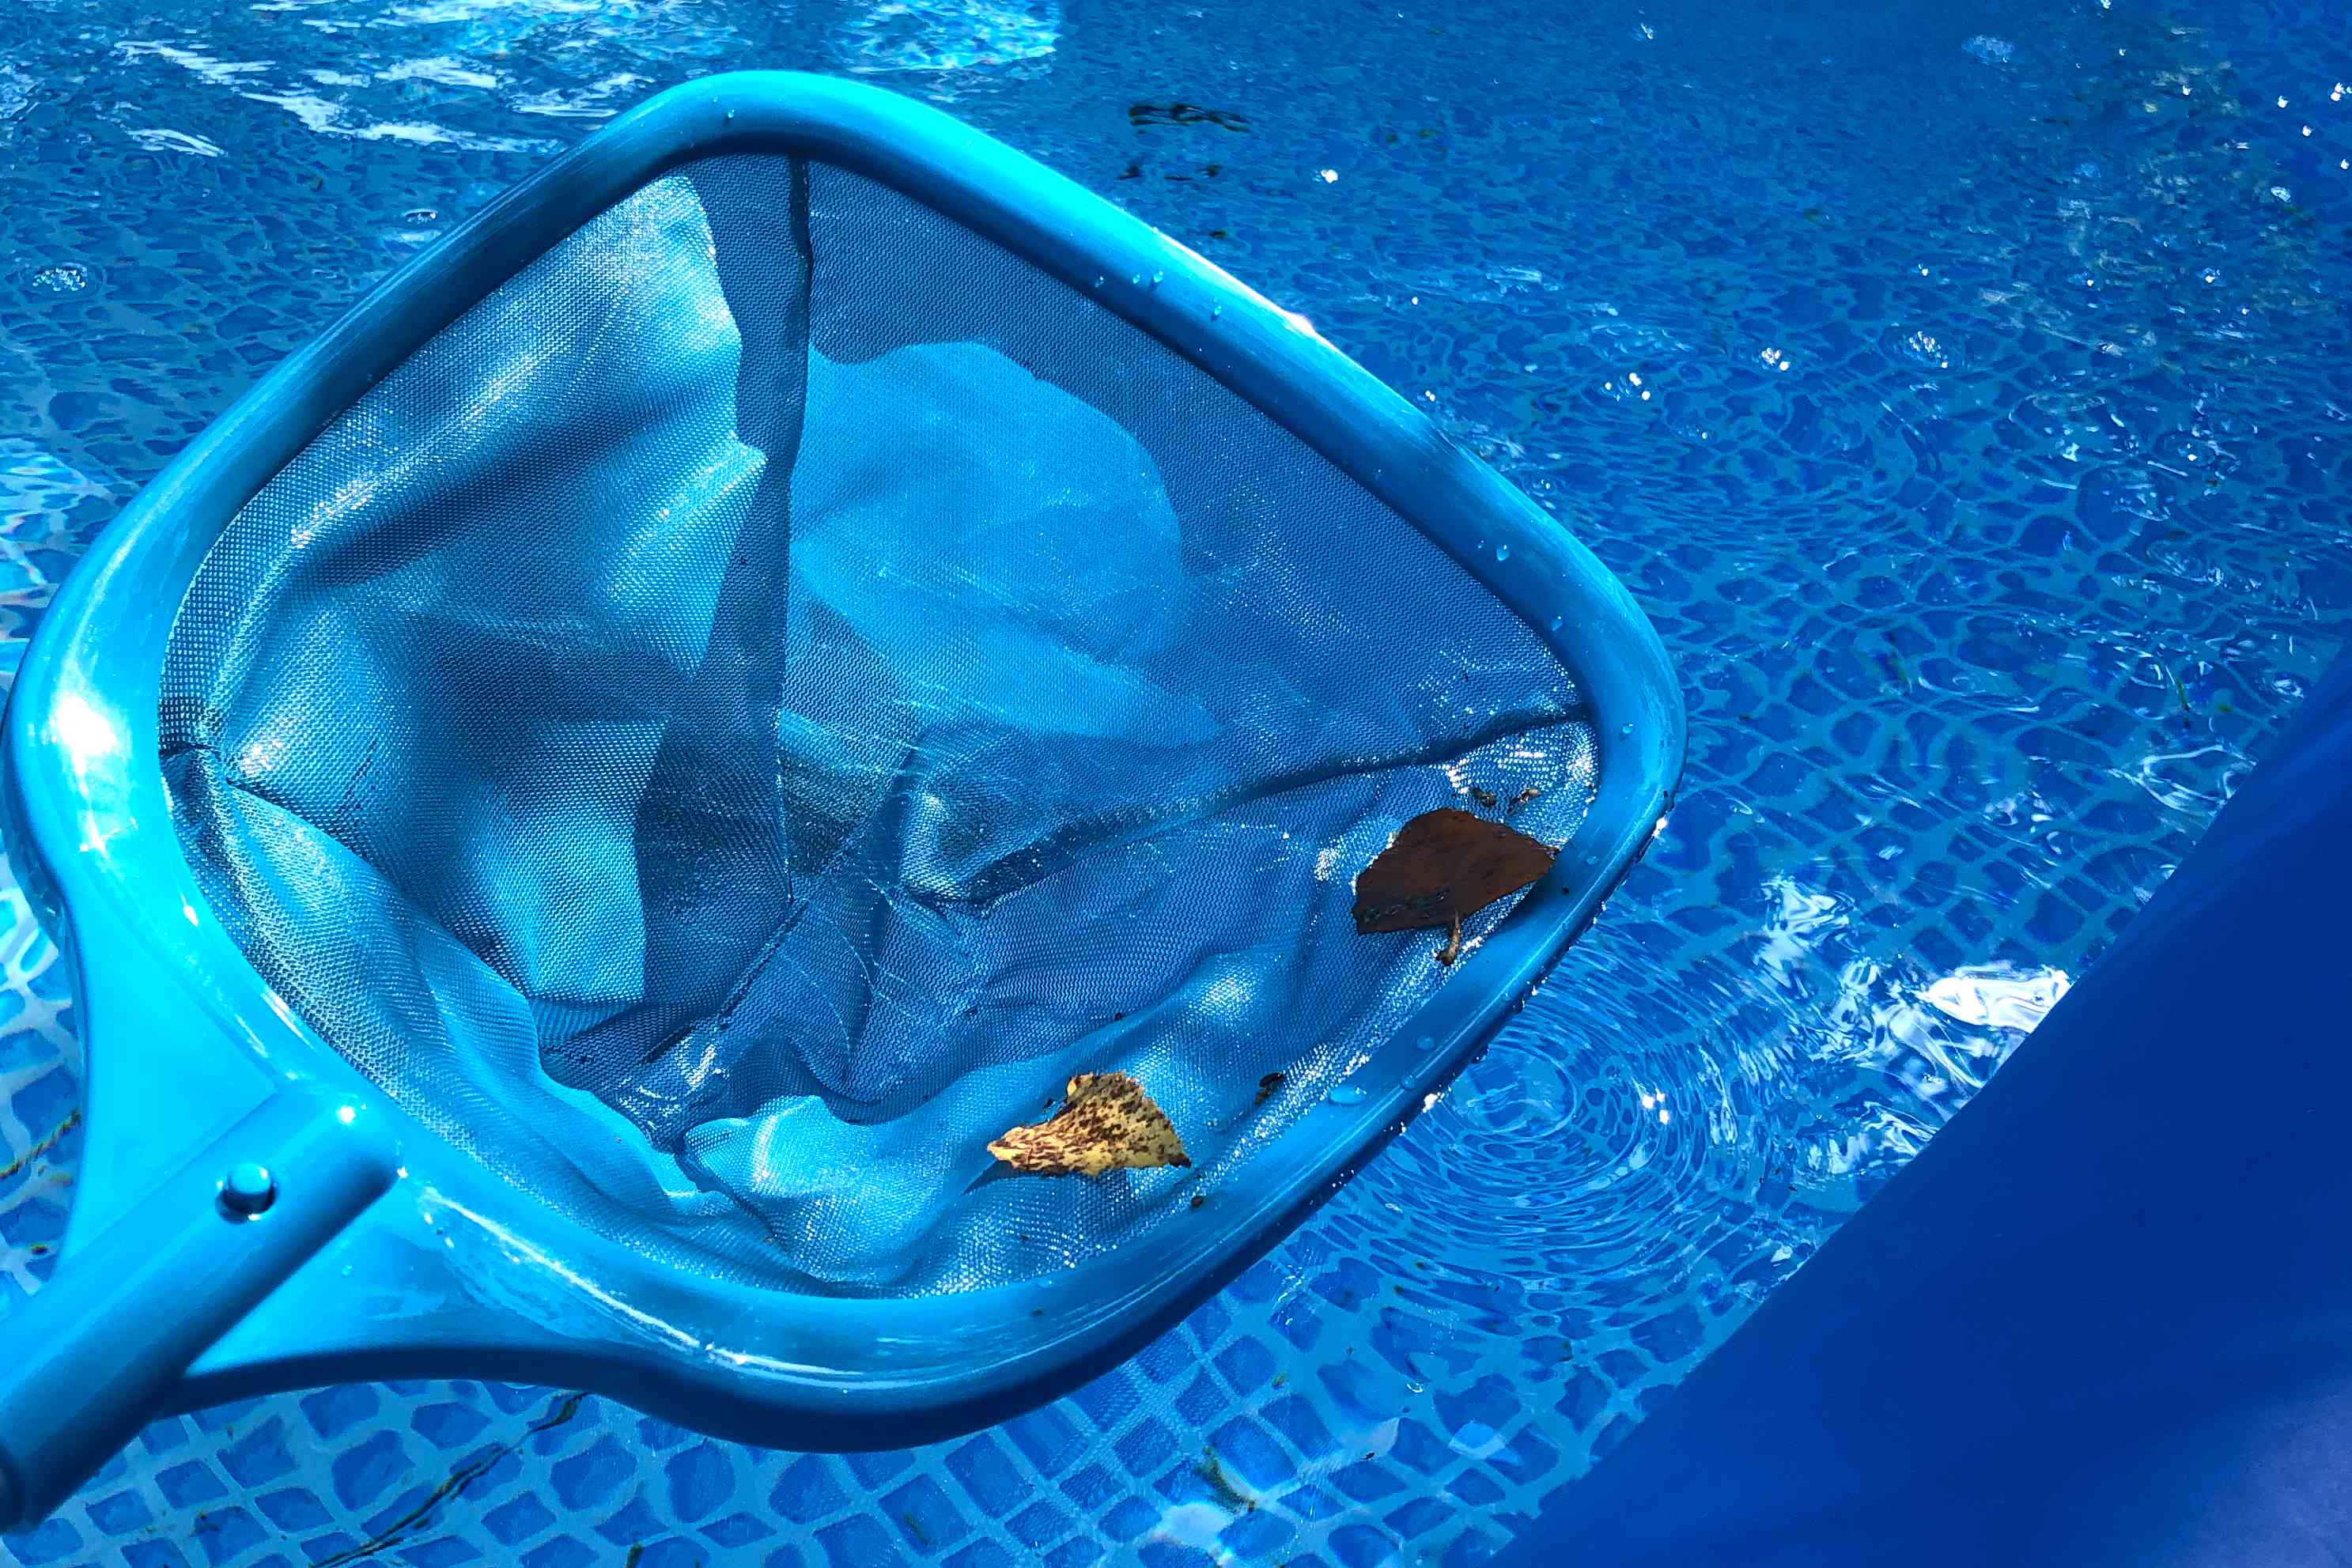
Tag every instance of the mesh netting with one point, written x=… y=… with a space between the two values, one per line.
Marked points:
x=740 y=717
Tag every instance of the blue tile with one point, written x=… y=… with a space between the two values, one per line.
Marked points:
x=1039 y=1525
x=1129 y=1519
x=1246 y=1364
x=52 y=1542
x=226 y=1534
x=440 y=1552
x=1081 y=1552
x=259 y=1456
x=1145 y=1449
x=363 y=1473
x=700 y=1478
x=1250 y=1453
x=673 y=1553
x=294 y=1510
x=657 y=1436
x=989 y=1475
x=519 y=1519
x=980 y=1555
x=588 y=1478
x=1366 y=1481
x=806 y=1491
x=1092 y=1488
x=858 y=1543
x=184 y=1486
x=563 y=1551
x=1048 y=1438
x=1360 y=1546
x=119 y=1513
x=874 y=1469
x=1169 y=1554
x=926 y=1515
x=738 y=1530
x=447 y=1425
x=631 y=1523
x=1295 y=1419
x=332 y=1412
x=1258 y=1536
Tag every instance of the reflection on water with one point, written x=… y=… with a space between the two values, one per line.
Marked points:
x=1964 y=401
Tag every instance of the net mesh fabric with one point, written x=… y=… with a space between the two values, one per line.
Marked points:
x=746 y=712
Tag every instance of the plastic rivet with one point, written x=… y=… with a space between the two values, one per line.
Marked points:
x=248 y=1189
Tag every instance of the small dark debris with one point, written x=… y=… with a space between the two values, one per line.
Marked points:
x=1266 y=1086
x=1210 y=1470
x=1198 y=1200
x=1116 y=1018
x=1140 y=115
x=1522 y=798
x=1132 y=172
x=636 y=1551
x=1484 y=797
x=1220 y=234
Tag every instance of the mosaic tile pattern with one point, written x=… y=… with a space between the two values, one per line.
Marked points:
x=1964 y=394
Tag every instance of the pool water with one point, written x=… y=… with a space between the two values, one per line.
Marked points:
x=1963 y=390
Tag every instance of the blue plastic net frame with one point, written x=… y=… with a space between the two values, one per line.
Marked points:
x=388 y=1252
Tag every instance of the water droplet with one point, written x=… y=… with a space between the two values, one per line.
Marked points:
x=64 y=278
x=1502 y=552
x=731 y=114
x=1556 y=621
x=1347 y=1095
x=1426 y=1042
x=1625 y=730
x=1100 y=281
x=417 y=217
x=1215 y=311
x=1136 y=278
x=1158 y=278
x=1593 y=860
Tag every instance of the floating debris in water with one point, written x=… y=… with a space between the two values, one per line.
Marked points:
x=1140 y=115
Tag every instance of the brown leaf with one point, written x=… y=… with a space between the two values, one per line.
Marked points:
x=1443 y=867
x=1108 y=1123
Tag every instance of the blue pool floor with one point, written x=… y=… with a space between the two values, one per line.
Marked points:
x=1962 y=390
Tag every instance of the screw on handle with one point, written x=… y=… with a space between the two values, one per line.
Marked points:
x=248 y=1190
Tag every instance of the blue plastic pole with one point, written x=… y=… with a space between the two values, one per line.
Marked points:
x=120 y=1320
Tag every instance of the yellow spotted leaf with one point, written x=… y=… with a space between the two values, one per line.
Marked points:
x=1107 y=1123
